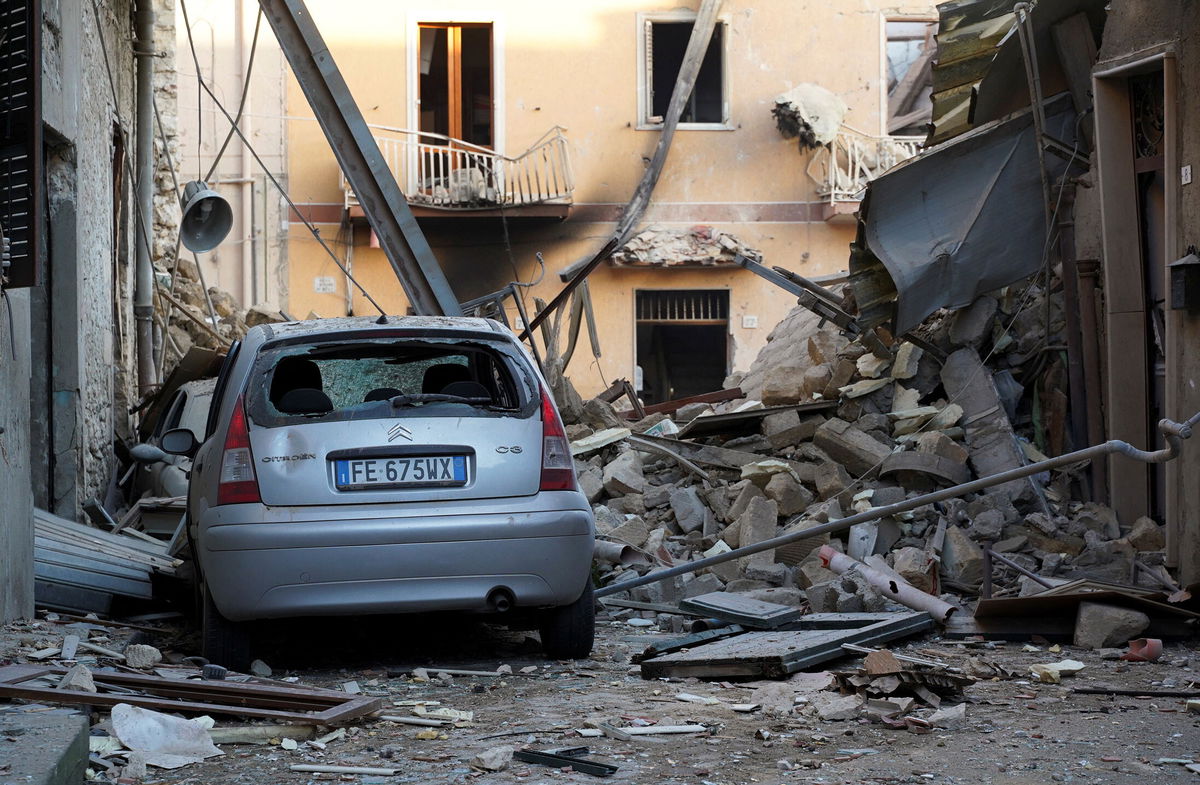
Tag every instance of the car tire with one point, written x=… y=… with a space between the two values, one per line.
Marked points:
x=223 y=642
x=569 y=631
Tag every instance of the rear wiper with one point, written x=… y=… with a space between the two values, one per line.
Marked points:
x=412 y=399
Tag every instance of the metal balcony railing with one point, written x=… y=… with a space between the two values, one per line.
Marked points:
x=843 y=168
x=439 y=171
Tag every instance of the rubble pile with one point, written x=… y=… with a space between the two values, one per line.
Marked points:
x=195 y=327
x=920 y=418
x=694 y=246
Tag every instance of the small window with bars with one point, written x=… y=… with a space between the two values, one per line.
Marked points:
x=683 y=306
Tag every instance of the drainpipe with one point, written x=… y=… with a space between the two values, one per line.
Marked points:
x=143 y=293
x=249 y=273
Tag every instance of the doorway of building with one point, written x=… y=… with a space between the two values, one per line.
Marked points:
x=682 y=342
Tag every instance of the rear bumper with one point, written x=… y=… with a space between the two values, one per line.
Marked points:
x=393 y=565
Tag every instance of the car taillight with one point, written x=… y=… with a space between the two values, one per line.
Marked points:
x=238 y=483
x=558 y=470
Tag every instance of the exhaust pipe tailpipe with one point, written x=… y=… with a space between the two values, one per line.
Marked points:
x=500 y=599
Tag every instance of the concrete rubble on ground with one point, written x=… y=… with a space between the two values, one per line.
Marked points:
x=940 y=409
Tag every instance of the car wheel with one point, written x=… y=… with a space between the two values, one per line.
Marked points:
x=568 y=632
x=223 y=642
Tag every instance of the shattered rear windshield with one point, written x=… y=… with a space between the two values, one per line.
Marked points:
x=373 y=379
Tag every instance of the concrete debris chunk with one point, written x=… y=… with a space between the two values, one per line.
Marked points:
x=139 y=655
x=77 y=679
x=690 y=512
x=1147 y=535
x=973 y=324
x=950 y=717
x=1052 y=672
x=786 y=491
x=493 y=759
x=990 y=438
x=849 y=446
x=908 y=360
x=624 y=475
x=835 y=708
x=1100 y=626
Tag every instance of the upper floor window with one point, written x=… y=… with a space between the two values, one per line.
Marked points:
x=455 y=85
x=910 y=53
x=664 y=40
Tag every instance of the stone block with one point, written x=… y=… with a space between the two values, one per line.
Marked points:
x=973 y=324
x=690 y=511
x=786 y=429
x=842 y=373
x=912 y=564
x=759 y=522
x=832 y=479
x=962 y=559
x=773 y=573
x=989 y=434
x=987 y=525
x=702 y=584
x=657 y=495
x=629 y=504
x=788 y=493
x=624 y=474
x=747 y=492
x=634 y=531
x=1146 y=535
x=591 y=483
x=1099 y=626
x=782 y=384
x=849 y=446
x=908 y=360
x=938 y=443
x=601 y=414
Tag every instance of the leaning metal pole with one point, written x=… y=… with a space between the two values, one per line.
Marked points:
x=143 y=290
x=1172 y=431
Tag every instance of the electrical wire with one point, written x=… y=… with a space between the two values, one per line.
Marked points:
x=245 y=94
x=267 y=172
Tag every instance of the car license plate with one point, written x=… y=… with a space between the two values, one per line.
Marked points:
x=416 y=470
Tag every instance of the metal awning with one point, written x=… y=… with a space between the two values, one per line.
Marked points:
x=960 y=220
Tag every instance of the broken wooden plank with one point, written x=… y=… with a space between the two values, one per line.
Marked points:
x=670 y=407
x=742 y=610
x=305 y=705
x=316 y=768
x=778 y=653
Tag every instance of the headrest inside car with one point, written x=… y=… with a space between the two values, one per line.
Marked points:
x=438 y=376
x=304 y=400
x=293 y=373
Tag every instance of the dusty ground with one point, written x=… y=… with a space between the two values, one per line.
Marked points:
x=1016 y=731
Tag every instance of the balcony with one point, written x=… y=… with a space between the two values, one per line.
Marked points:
x=843 y=168
x=443 y=177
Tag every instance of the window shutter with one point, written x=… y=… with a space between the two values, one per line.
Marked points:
x=648 y=37
x=21 y=190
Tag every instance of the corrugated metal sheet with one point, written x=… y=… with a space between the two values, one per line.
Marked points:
x=960 y=220
x=969 y=32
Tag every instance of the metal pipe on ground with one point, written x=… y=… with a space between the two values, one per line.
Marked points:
x=618 y=553
x=889 y=586
x=1173 y=432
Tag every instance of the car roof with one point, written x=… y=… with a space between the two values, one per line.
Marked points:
x=316 y=327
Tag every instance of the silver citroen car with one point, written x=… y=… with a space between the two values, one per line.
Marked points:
x=377 y=466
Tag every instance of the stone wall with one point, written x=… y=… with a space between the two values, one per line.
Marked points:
x=66 y=383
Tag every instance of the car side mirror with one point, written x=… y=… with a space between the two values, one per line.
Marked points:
x=179 y=441
x=147 y=453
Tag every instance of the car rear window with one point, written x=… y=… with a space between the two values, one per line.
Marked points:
x=370 y=379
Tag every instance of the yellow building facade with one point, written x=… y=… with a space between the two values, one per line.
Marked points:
x=582 y=83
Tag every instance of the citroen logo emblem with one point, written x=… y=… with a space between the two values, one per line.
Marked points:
x=398 y=430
